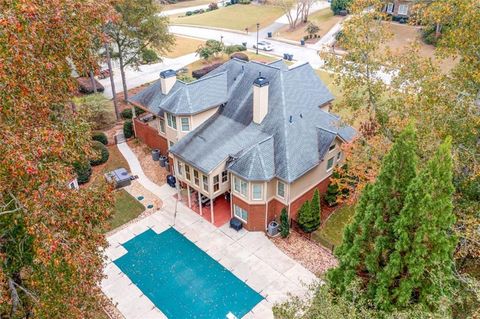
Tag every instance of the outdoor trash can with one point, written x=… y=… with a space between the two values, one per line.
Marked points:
x=156 y=155
x=302 y=42
x=290 y=57
x=171 y=181
x=269 y=34
x=272 y=229
x=236 y=224
x=244 y=44
x=285 y=56
x=163 y=160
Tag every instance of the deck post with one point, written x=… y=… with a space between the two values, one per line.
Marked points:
x=189 y=199
x=212 y=218
x=200 y=202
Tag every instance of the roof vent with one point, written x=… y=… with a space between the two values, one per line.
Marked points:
x=301 y=115
x=260 y=81
x=291 y=119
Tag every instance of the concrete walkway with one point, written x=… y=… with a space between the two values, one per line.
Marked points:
x=163 y=192
x=250 y=256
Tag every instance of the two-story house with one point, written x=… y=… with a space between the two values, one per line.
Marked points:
x=261 y=133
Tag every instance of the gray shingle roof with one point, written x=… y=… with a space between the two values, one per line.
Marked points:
x=185 y=98
x=291 y=139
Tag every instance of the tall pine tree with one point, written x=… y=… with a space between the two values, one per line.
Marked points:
x=369 y=240
x=421 y=268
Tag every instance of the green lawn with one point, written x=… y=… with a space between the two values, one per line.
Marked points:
x=185 y=4
x=332 y=231
x=236 y=17
x=327 y=78
x=127 y=208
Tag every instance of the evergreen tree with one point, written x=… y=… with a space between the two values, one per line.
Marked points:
x=315 y=210
x=420 y=269
x=369 y=240
x=285 y=227
x=304 y=215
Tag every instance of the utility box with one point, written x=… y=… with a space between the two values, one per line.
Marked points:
x=119 y=177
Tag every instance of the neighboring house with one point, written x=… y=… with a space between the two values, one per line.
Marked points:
x=259 y=132
x=399 y=9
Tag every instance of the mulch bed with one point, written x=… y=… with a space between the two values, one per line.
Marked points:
x=311 y=255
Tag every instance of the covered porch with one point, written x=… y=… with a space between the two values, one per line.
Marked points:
x=215 y=210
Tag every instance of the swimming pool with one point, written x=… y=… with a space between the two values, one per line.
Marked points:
x=182 y=280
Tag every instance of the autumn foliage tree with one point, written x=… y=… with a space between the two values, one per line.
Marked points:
x=50 y=261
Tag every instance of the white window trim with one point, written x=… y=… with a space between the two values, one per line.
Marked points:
x=234 y=213
x=333 y=149
x=170 y=118
x=240 y=181
x=401 y=6
x=218 y=183
x=284 y=189
x=181 y=124
x=160 y=120
x=261 y=191
x=390 y=7
x=189 y=173
x=226 y=181
x=339 y=156
x=333 y=163
x=207 y=189
x=180 y=168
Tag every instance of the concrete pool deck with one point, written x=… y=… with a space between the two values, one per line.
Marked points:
x=250 y=256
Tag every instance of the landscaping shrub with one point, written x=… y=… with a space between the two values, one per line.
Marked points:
x=240 y=56
x=428 y=35
x=201 y=11
x=128 y=129
x=312 y=29
x=284 y=226
x=149 y=56
x=197 y=74
x=100 y=113
x=213 y=6
x=139 y=111
x=100 y=137
x=127 y=114
x=229 y=49
x=100 y=155
x=339 y=5
x=332 y=194
x=244 y=1
x=185 y=78
x=188 y=13
x=308 y=218
x=83 y=171
x=315 y=209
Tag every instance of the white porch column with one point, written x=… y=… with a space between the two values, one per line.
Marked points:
x=189 y=199
x=212 y=218
x=200 y=202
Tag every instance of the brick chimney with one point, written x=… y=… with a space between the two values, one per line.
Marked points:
x=167 y=80
x=260 y=98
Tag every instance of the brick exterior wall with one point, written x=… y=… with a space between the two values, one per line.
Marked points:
x=274 y=210
x=256 y=214
x=295 y=206
x=150 y=137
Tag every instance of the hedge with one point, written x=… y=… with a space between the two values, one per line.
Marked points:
x=128 y=129
x=197 y=74
x=100 y=153
x=127 y=114
x=100 y=136
x=83 y=171
x=229 y=49
x=149 y=56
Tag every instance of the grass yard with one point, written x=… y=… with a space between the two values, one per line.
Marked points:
x=185 y=4
x=236 y=17
x=184 y=46
x=327 y=78
x=332 y=231
x=126 y=208
x=324 y=19
x=405 y=35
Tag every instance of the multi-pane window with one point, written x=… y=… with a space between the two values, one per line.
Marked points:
x=205 y=182
x=180 y=168
x=403 y=9
x=162 y=125
x=390 y=7
x=196 y=179
x=224 y=176
x=185 y=124
x=240 y=186
x=331 y=148
x=216 y=183
x=339 y=156
x=281 y=189
x=171 y=121
x=187 y=172
x=240 y=213
x=330 y=163
x=257 y=190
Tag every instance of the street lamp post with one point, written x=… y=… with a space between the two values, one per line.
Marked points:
x=258 y=26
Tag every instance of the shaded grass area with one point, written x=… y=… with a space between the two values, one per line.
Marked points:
x=127 y=208
x=184 y=46
x=236 y=17
x=324 y=19
x=332 y=230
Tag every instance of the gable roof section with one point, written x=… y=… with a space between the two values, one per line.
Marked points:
x=185 y=98
x=256 y=163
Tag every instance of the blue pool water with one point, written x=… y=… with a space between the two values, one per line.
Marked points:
x=182 y=280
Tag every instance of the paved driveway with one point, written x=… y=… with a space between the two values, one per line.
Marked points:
x=251 y=256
